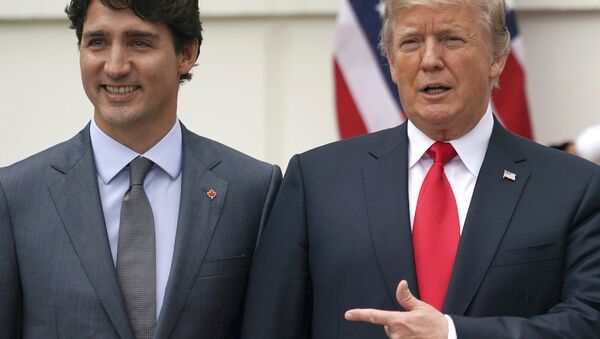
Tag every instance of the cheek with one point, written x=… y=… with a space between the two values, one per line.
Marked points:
x=475 y=74
x=163 y=70
x=405 y=75
x=404 y=65
x=83 y=66
x=86 y=76
x=89 y=66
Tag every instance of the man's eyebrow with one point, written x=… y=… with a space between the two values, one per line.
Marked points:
x=408 y=31
x=140 y=34
x=452 y=30
x=95 y=34
x=130 y=34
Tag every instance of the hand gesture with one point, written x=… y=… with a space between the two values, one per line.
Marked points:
x=420 y=320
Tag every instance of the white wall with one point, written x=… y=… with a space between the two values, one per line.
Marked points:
x=263 y=84
x=563 y=50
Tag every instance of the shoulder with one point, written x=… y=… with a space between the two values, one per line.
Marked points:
x=343 y=162
x=39 y=166
x=223 y=159
x=541 y=157
x=551 y=173
x=358 y=149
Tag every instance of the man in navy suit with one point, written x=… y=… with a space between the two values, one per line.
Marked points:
x=354 y=249
x=64 y=221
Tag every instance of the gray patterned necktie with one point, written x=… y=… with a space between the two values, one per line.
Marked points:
x=136 y=254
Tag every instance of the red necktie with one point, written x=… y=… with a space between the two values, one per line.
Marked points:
x=436 y=230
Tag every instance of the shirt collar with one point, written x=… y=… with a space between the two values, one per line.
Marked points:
x=111 y=156
x=471 y=147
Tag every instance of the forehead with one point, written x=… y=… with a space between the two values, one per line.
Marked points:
x=437 y=18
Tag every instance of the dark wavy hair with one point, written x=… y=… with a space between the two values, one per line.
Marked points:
x=182 y=17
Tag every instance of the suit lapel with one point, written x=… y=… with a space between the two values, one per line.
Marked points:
x=77 y=201
x=492 y=206
x=198 y=216
x=386 y=186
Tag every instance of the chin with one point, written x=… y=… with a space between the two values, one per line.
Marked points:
x=436 y=115
x=118 y=117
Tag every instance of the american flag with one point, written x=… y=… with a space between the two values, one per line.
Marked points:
x=367 y=99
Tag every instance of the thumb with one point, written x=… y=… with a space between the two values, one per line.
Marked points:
x=405 y=298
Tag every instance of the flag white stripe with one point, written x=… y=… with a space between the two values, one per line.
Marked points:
x=362 y=74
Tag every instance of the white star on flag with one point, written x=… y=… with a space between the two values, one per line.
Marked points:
x=380 y=8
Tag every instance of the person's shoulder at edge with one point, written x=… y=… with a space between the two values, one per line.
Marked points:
x=68 y=150
x=368 y=145
x=543 y=154
x=222 y=151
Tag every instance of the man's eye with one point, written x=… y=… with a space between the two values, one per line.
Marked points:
x=96 y=42
x=453 y=40
x=139 y=43
x=409 y=45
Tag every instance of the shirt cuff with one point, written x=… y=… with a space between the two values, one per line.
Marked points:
x=451 y=329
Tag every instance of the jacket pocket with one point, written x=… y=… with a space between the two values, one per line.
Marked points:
x=232 y=265
x=527 y=255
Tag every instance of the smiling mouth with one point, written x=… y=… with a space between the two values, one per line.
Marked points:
x=120 y=90
x=434 y=90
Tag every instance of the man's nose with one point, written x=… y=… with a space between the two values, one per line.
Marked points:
x=117 y=64
x=431 y=58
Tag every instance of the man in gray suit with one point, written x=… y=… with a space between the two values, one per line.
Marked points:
x=95 y=245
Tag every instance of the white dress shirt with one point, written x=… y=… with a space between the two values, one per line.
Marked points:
x=162 y=185
x=462 y=171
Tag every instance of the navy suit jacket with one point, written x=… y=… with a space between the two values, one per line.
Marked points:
x=339 y=237
x=57 y=276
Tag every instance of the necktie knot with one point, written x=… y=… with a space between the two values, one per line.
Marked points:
x=138 y=169
x=441 y=152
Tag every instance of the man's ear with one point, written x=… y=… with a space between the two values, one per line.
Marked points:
x=189 y=56
x=497 y=66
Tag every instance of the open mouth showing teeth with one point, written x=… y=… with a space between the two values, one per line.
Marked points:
x=120 y=89
x=436 y=89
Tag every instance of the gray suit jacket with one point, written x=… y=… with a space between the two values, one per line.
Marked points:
x=57 y=277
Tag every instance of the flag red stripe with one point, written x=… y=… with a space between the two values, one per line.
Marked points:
x=350 y=122
x=510 y=100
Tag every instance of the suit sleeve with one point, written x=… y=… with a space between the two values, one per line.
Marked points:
x=279 y=292
x=272 y=190
x=10 y=291
x=578 y=313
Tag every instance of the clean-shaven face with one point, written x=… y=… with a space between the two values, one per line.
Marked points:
x=129 y=68
x=441 y=61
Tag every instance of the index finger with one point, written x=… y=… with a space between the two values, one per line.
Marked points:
x=372 y=316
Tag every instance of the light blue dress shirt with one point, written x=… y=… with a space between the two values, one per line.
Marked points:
x=162 y=186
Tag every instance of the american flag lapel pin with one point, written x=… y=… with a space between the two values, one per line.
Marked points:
x=508 y=175
x=211 y=194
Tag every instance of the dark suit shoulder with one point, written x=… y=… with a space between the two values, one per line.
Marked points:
x=357 y=149
x=545 y=154
x=540 y=157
